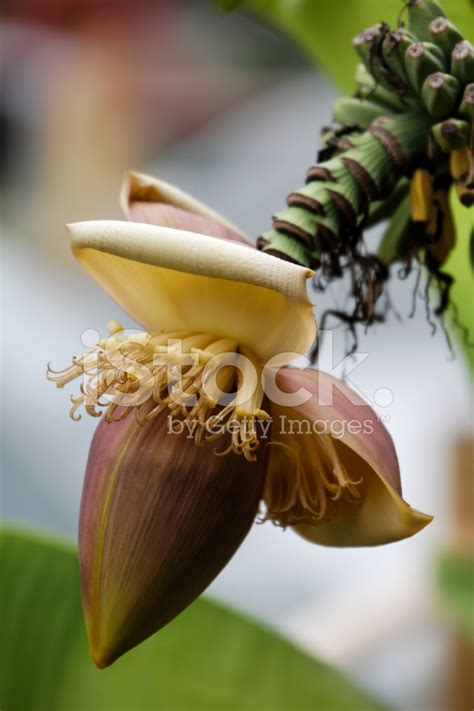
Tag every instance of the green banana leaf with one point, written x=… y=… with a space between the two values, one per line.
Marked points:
x=324 y=29
x=208 y=659
x=459 y=265
x=456 y=589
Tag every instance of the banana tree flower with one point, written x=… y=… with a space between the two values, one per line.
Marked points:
x=204 y=426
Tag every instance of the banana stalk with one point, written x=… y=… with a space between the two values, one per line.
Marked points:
x=400 y=142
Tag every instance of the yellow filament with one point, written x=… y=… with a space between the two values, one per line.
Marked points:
x=185 y=373
x=311 y=485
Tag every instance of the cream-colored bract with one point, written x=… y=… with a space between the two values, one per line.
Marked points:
x=169 y=279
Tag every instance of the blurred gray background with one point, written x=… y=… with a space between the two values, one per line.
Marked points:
x=229 y=111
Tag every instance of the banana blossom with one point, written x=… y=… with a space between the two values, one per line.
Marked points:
x=204 y=425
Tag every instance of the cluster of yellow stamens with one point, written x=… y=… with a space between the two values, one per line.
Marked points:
x=215 y=386
x=208 y=381
x=310 y=484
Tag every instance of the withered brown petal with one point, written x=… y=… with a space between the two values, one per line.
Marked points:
x=160 y=517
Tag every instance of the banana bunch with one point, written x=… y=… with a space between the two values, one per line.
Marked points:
x=399 y=144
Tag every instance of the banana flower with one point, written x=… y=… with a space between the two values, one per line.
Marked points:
x=204 y=426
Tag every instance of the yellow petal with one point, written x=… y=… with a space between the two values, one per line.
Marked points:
x=169 y=279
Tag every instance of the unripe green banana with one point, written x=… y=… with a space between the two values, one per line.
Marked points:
x=366 y=46
x=462 y=61
x=358 y=111
x=394 y=47
x=382 y=209
x=444 y=35
x=398 y=239
x=451 y=134
x=421 y=60
x=364 y=42
x=467 y=105
x=420 y=14
x=440 y=94
x=367 y=88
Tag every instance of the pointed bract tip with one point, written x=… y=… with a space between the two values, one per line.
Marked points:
x=101 y=661
x=158 y=523
x=419 y=520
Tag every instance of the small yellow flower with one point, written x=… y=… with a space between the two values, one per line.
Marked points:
x=160 y=516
